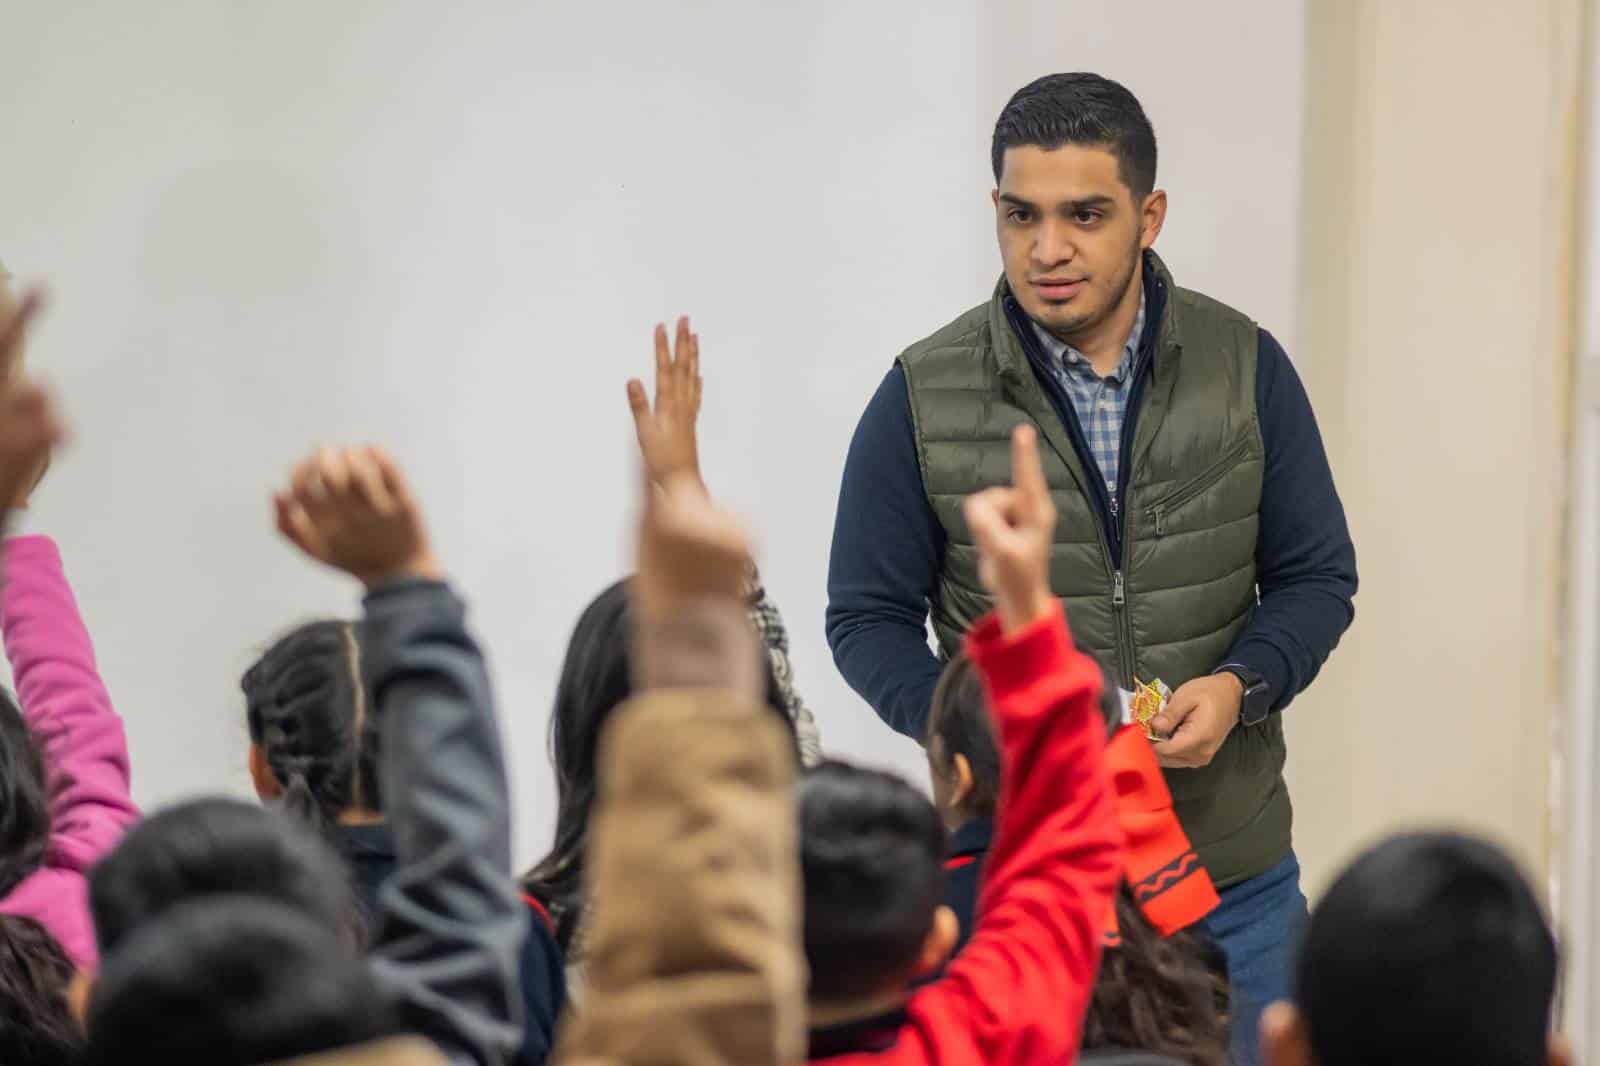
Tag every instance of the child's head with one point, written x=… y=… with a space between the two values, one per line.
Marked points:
x=1157 y=994
x=963 y=758
x=24 y=798
x=313 y=742
x=216 y=847
x=232 y=979
x=963 y=755
x=872 y=858
x=596 y=679
x=36 y=1023
x=1430 y=947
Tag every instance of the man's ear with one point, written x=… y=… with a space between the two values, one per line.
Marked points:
x=267 y=785
x=1152 y=218
x=961 y=783
x=939 y=943
x=1283 y=1036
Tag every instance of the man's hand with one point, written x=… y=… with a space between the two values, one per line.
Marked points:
x=1197 y=720
x=31 y=423
x=1013 y=527
x=352 y=509
x=667 y=430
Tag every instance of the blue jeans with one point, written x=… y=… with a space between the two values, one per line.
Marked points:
x=1258 y=928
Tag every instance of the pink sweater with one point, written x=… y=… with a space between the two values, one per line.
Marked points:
x=85 y=750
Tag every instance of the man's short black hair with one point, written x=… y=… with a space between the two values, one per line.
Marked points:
x=1081 y=109
x=872 y=854
x=1431 y=947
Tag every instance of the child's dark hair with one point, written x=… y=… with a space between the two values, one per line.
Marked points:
x=1157 y=995
x=307 y=710
x=872 y=859
x=24 y=798
x=596 y=679
x=36 y=1024
x=1430 y=947
x=216 y=847
x=959 y=723
x=230 y=981
x=1081 y=109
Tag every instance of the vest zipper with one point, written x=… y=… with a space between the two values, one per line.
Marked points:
x=1212 y=474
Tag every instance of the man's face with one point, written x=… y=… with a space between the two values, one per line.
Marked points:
x=1071 y=234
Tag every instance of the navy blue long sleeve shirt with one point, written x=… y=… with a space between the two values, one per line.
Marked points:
x=888 y=549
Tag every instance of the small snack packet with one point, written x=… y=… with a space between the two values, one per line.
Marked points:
x=1149 y=699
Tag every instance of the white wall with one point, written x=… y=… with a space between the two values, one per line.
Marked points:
x=275 y=225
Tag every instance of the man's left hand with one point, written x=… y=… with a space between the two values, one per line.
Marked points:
x=1197 y=720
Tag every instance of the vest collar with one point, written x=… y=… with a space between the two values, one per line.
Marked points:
x=1162 y=343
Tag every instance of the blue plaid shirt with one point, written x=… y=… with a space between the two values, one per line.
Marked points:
x=1101 y=403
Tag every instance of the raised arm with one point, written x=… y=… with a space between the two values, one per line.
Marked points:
x=696 y=801
x=1021 y=986
x=82 y=743
x=450 y=922
x=669 y=444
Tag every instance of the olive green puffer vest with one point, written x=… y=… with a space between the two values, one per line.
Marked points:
x=1186 y=581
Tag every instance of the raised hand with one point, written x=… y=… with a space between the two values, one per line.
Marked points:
x=352 y=509
x=690 y=550
x=29 y=424
x=666 y=430
x=1013 y=526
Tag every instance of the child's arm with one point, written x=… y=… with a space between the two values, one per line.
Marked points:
x=450 y=922
x=1019 y=990
x=696 y=802
x=66 y=705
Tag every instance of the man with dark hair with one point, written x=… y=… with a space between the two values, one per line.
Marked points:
x=1201 y=541
x=1430 y=948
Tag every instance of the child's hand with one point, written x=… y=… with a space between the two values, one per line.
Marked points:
x=690 y=625
x=29 y=424
x=352 y=509
x=690 y=550
x=667 y=431
x=1013 y=527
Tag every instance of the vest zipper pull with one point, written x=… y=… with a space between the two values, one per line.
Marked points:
x=1158 y=514
x=1119 y=594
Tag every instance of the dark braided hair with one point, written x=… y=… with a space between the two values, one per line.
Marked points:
x=308 y=713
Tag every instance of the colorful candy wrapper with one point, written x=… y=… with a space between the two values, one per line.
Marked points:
x=1149 y=699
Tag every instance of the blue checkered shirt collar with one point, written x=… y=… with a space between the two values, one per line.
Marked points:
x=1100 y=403
x=1064 y=357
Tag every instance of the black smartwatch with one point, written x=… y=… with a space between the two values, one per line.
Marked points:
x=1257 y=699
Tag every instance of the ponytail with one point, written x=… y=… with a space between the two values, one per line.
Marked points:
x=300 y=802
x=307 y=713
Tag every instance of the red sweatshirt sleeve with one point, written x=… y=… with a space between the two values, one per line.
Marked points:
x=80 y=737
x=1018 y=992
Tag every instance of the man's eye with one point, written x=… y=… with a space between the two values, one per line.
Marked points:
x=1087 y=218
x=1016 y=214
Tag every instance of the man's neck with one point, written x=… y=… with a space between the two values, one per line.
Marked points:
x=1102 y=343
